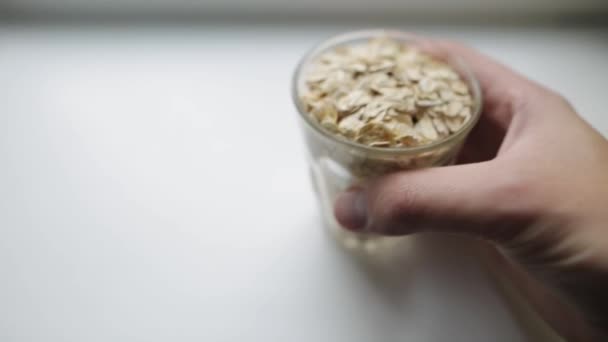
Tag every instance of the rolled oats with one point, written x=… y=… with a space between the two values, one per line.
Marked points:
x=350 y=126
x=425 y=127
x=454 y=108
x=384 y=93
x=454 y=124
x=375 y=134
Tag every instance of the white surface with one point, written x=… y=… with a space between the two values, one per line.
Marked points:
x=153 y=188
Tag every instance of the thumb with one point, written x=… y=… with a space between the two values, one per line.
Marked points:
x=480 y=199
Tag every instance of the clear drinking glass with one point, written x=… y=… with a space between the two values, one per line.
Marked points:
x=337 y=164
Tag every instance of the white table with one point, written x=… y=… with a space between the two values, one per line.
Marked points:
x=153 y=188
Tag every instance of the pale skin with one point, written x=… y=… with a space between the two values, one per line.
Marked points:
x=532 y=180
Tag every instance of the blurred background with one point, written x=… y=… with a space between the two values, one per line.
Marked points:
x=154 y=187
x=491 y=10
x=545 y=39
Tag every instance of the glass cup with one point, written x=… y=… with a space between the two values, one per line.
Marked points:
x=337 y=164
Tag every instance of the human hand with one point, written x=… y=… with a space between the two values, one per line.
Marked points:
x=532 y=179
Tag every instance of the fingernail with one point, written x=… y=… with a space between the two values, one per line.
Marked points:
x=351 y=209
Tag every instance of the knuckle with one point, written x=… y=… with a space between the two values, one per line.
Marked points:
x=394 y=203
x=517 y=98
x=522 y=98
x=560 y=99
x=453 y=45
x=514 y=186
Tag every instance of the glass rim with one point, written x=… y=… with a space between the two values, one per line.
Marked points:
x=345 y=38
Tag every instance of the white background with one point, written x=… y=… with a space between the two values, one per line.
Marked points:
x=153 y=187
